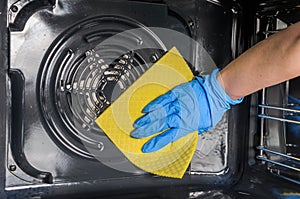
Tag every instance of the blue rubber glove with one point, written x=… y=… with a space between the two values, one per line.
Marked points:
x=196 y=105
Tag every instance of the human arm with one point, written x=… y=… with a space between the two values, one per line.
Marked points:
x=271 y=61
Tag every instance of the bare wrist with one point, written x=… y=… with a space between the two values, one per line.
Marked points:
x=222 y=82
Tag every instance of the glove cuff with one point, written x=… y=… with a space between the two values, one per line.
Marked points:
x=213 y=87
x=217 y=98
x=219 y=90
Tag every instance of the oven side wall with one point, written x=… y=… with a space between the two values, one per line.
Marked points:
x=3 y=91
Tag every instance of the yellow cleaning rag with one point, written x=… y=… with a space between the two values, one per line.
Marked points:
x=117 y=120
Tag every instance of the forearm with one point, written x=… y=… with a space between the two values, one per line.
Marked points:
x=271 y=61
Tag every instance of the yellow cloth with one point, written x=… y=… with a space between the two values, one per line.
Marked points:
x=116 y=121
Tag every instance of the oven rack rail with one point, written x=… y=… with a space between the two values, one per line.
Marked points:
x=289 y=166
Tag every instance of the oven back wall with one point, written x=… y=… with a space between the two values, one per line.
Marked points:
x=42 y=153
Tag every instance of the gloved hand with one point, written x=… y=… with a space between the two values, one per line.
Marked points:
x=196 y=105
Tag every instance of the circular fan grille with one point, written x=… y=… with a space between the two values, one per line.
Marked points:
x=85 y=70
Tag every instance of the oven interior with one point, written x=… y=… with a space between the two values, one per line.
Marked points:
x=65 y=61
